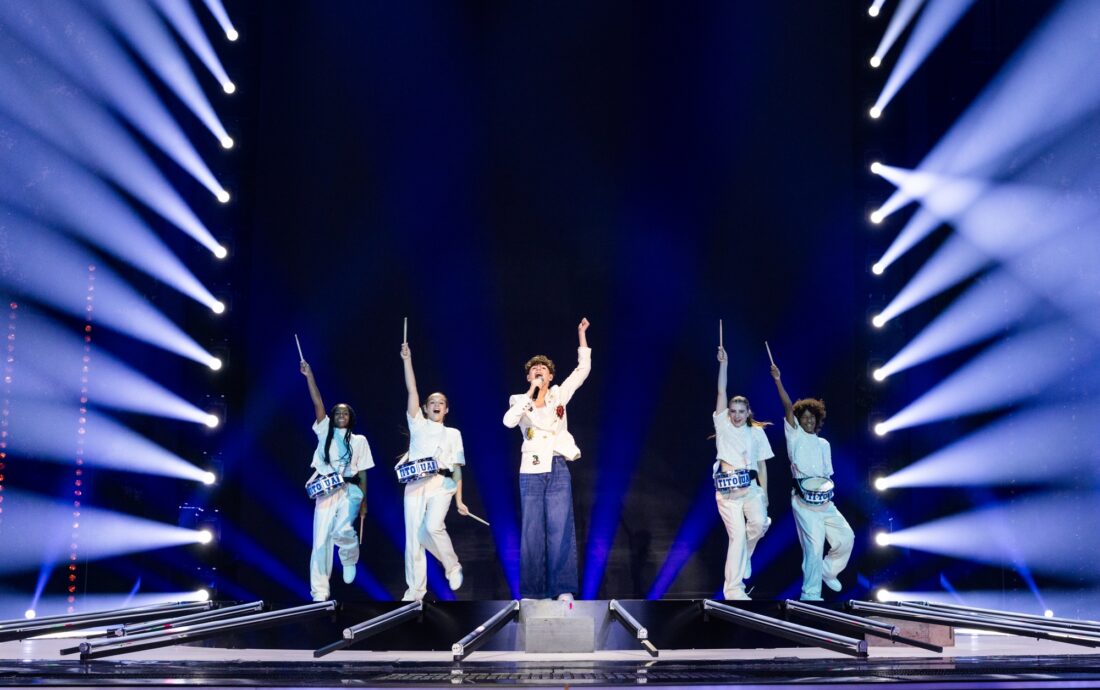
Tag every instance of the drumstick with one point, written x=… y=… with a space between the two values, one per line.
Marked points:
x=720 y=333
x=484 y=522
x=301 y=357
x=361 y=516
x=405 y=332
x=769 y=353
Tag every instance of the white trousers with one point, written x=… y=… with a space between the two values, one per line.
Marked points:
x=746 y=520
x=332 y=518
x=817 y=525
x=426 y=504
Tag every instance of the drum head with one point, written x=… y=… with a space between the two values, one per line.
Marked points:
x=816 y=484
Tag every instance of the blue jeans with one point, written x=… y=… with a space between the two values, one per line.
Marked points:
x=548 y=542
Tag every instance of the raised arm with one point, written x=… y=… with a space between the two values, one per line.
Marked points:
x=723 y=401
x=413 y=403
x=314 y=393
x=582 y=333
x=584 y=366
x=788 y=408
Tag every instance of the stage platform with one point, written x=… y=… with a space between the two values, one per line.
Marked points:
x=410 y=656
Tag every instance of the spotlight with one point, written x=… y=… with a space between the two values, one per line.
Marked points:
x=884 y=595
x=218 y=307
x=880 y=429
x=215 y=364
x=873 y=10
x=232 y=35
x=229 y=87
x=878 y=321
x=878 y=375
x=212 y=421
x=223 y=196
x=206 y=536
x=877 y=217
x=1047 y=614
x=202 y=595
x=227 y=142
x=29 y=614
x=875 y=112
x=882 y=538
x=881 y=485
x=878 y=269
x=221 y=252
x=876 y=168
x=209 y=478
x=876 y=61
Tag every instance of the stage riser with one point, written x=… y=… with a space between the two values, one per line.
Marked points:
x=672 y=624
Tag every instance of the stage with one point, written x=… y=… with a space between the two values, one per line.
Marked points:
x=725 y=654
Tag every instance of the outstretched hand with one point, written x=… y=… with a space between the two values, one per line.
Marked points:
x=305 y=369
x=406 y=353
x=721 y=354
x=775 y=372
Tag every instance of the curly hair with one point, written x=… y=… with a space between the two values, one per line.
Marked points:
x=813 y=406
x=745 y=401
x=539 y=359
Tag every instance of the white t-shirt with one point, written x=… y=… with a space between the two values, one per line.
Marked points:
x=338 y=454
x=428 y=439
x=810 y=454
x=740 y=447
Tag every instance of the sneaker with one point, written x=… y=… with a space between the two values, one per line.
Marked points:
x=739 y=595
x=455 y=578
x=565 y=596
x=349 y=574
x=832 y=583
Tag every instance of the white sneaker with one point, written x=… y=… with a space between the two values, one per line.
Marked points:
x=455 y=578
x=832 y=583
x=565 y=596
x=739 y=595
x=349 y=574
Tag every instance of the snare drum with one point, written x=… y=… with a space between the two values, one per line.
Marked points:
x=416 y=469
x=815 y=490
x=734 y=479
x=324 y=485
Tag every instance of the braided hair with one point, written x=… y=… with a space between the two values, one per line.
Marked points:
x=332 y=430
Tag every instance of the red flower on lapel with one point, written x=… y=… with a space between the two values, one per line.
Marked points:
x=560 y=411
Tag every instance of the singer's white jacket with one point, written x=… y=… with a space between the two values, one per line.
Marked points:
x=546 y=429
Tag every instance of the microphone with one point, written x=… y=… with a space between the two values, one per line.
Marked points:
x=539 y=382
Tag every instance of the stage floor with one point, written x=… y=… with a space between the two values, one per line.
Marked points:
x=976 y=660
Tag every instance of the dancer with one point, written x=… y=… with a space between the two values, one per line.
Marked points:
x=548 y=542
x=428 y=494
x=341 y=461
x=816 y=517
x=743 y=449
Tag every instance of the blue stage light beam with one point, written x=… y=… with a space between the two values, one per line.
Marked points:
x=47 y=103
x=186 y=24
x=149 y=37
x=898 y=21
x=1036 y=360
x=697 y=524
x=218 y=10
x=107 y=445
x=87 y=208
x=984 y=310
x=35 y=522
x=49 y=347
x=982 y=535
x=64 y=286
x=1034 y=99
x=935 y=22
x=1015 y=450
x=955 y=261
x=98 y=62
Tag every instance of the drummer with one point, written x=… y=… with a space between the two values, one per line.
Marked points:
x=428 y=493
x=816 y=517
x=742 y=503
x=339 y=454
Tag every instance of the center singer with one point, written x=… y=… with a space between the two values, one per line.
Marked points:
x=548 y=542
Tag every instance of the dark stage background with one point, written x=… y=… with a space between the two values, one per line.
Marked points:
x=496 y=172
